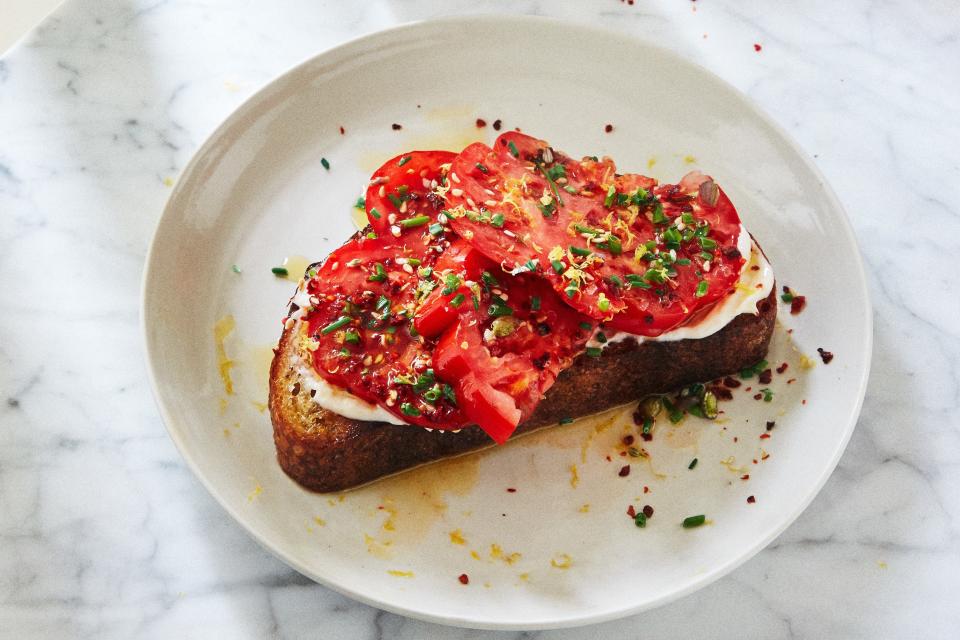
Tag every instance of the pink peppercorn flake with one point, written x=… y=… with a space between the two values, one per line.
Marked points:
x=757 y=47
x=624 y=471
x=464 y=578
x=751 y=500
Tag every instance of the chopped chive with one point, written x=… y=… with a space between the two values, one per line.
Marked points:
x=325 y=163
x=647 y=425
x=683 y=262
x=579 y=251
x=658 y=217
x=708 y=243
x=449 y=394
x=603 y=304
x=557 y=266
x=787 y=297
x=409 y=410
x=379 y=274
x=616 y=281
x=640 y=519
x=404 y=160
x=383 y=304
x=498 y=309
x=435 y=229
x=342 y=321
x=344 y=352
x=694 y=521
x=482 y=168
x=413 y=262
x=361 y=203
x=586 y=326
x=702 y=289
x=594 y=352
x=416 y=221
x=457 y=300
x=279 y=271
x=566 y=420
x=351 y=337
x=513 y=149
x=767 y=395
x=375 y=213
x=692 y=464
x=497 y=220
x=236 y=269
x=488 y=279
x=476 y=301
x=613 y=243
x=372 y=235
x=397 y=202
x=611 y=194
x=570 y=189
x=535 y=303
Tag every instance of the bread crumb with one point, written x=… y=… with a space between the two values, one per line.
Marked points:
x=561 y=561
x=456 y=537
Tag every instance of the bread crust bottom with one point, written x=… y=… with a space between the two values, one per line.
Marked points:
x=324 y=451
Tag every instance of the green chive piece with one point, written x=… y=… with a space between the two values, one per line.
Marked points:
x=767 y=395
x=236 y=269
x=497 y=220
x=647 y=425
x=457 y=300
x=787 y=297
x=435 y=229
x=613 y=243
x=416 y=221
x=361 y=203
x=569 y=189
x=603 y=305
x=488 y=279
x=375 y=213
x=694 y=521
x=693 y=463
x=409 y=410
x=594 y=352
x=658 y=217
x=640 y=520
x=708 y=243
x=325 y=163
x=513 y=149
x=379 y=274
x=566 y=420
x=702 y=289
x=372 y=235
x=586 y=326
x=404 y=160
x=557 y=266
x=280 y=272
x=611 y=194
x=397 y=202
x=482 y=168
x=683 y=262
x=342 y=321
x=601 y=337
x=535 y=303
x=579 y=251
x=351 y=337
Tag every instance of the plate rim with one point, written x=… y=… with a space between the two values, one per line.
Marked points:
x=850 y=420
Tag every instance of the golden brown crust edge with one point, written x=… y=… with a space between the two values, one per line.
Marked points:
x=323 y=451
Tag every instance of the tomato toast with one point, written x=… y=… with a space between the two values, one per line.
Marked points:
x=505 y=289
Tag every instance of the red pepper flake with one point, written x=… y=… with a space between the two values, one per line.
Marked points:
x=751 y=500
x=609 y=459
x=647 y=437
x=631 y=511
x=754 y=461
x=782 y=367
x=770 y=425
x=791 y=380
x=765 y=376
x=624 y=471
x=755 y=268
x=731 y=383
x=342 y=131
x=757 y=47
x=623 y=454
x=497 y=124
x=804 y=401
x=628 y=440
x=396 y=127
x=826 y=356
x=798 y=304
x=511 y=490
x=757 y=396
x=464 y=578
x=648 y=511
x=722 y=393
x=765 y=456
x=736 y=439
x=764 y=436
x=745 y=476
x=608 y=128
x=748 y=388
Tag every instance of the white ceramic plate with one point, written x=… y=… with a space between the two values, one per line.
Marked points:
x=558 y=551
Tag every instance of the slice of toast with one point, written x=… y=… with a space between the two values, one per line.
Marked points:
x=324 y=451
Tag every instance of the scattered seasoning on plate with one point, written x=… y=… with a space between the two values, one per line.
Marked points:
x=757 y=47
x=745 y=476
x=765 y=376
x=325 y=163
x=342 y=130
x=464 y=578
x=236 y=269
x=694 y=521
x=624 y=471
x=764 y=436
x=648 y=511
x=631 y=511
x=782 y=367
x=628 y=440
x=481 y=123
x=693 y=463
x=751 y=500
x=640 y=520
x=511 y=490
x=826 y=356
x=770 y=425
x=566 y=420
x=280 y=272
x=396 y=127
x=497 y=124
x=731 y=383
x=608 y=128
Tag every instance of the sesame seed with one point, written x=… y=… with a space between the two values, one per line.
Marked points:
x=456 y=192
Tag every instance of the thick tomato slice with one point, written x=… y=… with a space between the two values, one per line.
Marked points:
x=618 y=248
x=360 y=322
x=401 y=195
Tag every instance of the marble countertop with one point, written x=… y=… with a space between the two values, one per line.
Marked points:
x=104 y=532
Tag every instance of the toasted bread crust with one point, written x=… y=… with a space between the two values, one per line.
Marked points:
x=324 y=451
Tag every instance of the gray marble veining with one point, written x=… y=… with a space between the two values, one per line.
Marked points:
x=104 y=533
